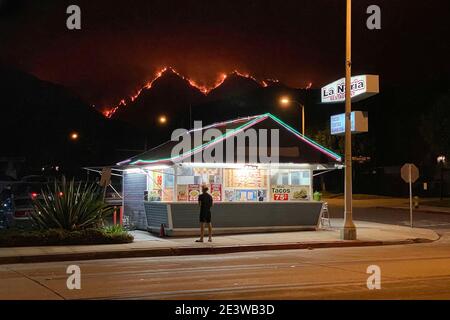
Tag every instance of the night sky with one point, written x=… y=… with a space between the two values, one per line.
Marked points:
x=123 y=43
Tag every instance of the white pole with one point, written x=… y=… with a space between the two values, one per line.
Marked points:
x=349 y=229
x=175 y=183
x=410 y=197
x=303 y=119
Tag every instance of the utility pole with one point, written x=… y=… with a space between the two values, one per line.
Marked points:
x=303 y=118
x=349 y=229
x=190 y=116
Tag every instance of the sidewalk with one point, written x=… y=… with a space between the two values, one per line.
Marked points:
x=146 y=245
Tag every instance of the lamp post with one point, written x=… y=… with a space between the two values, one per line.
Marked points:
x=349 y=229
x=441 y=161
x=287 y=101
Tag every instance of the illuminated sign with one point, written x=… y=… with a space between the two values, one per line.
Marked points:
x=362 y=87
x=359 y=123
x=289 y=193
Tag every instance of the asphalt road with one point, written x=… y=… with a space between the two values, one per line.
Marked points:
x=435 y=221
x=419 y=271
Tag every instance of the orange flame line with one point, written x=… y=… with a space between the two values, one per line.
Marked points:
x=110 y=111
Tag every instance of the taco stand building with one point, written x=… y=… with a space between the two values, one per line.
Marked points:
x=250 y=194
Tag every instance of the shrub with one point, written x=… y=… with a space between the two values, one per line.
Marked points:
x=20 y=238
x=114 y=229
x=70 y=206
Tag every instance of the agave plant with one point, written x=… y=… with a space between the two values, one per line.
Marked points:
x=70 y=206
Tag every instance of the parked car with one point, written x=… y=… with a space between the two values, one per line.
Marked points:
x=16 y=203
x=6 y=207
x=23 y=206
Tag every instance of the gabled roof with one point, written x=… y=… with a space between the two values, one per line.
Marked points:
x=308 y=151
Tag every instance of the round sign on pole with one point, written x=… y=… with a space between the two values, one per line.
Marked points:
x=409 y=173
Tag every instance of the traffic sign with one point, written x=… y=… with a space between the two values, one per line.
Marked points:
x=105 y=178
x=410 y=173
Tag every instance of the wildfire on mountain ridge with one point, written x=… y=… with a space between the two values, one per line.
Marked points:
x=108 y=112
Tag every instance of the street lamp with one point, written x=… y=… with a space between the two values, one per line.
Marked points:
x=441 y=161
x=74 y=136
x=162 y=119
x=286 y=101
x=349 y=229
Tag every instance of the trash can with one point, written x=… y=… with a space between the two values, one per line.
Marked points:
x=317 y=196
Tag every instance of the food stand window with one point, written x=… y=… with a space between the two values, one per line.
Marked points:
x=160 y=185
x=190 y=180
x=290 y=185
x=245 y=184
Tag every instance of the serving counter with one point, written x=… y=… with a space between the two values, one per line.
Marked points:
x=182 y=218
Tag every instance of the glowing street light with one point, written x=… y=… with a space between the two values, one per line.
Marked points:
x=286 y=101
x=162 y=120
x=74 y=136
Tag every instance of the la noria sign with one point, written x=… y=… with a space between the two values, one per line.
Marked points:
x=362 y=87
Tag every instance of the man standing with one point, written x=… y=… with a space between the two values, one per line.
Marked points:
x=205 y=202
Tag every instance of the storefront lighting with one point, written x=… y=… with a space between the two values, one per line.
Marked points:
x=134 y=170
x=162 y=167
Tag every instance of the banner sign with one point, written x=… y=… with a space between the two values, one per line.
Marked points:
x=216 y=191
x=193 y=192
x=182 y=192
x=290 y=193
x=362 y=87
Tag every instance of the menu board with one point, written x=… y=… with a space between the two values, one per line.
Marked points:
x=193 y=192
x=245 y=178
x=290 y=193
x=216 y=191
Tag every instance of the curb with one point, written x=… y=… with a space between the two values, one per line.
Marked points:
x=181 y=251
